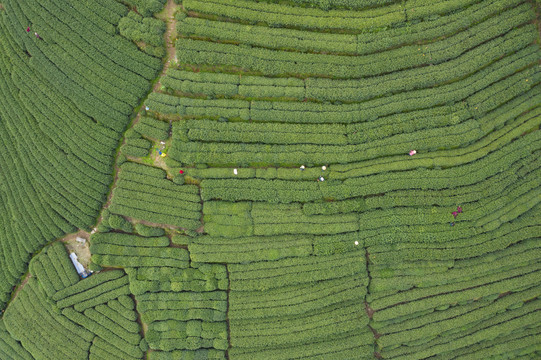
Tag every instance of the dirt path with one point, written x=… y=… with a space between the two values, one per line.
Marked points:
x=19 y=288
x=83 y=251
x=168 y=15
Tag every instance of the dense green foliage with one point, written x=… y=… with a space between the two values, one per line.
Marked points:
x=183 y=303
x=85 y=316
x=147 y=32
x=146 y=7
x=11 y=348
x=143 y=192
x=65 y=99
x=284 y=218
x=152 y=128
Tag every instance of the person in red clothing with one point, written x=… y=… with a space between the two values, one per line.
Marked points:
x=454 y=214
x=458 y=209
x=28 y=29
x=181 y=172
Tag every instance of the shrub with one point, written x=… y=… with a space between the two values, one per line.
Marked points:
x=120 y=223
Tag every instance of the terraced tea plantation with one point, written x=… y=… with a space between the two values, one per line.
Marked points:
x=270 y=180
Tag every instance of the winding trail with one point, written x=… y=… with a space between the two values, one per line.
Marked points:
x=167 y=15
x=19 y=288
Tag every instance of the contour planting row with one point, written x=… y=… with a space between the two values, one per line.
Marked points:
x=340 y=4
x=434 y=179
x=325 y=89
x=51 y=23
x=409 y=302
x=502 y=206
x=152 y=128
x=400 y=229
x=514 y=127
x=56 y=177
x=355 y=44
x=31 y=318
x=146 y=30
x=143 y=192
x=53 y=269
x=55 y=300
x=136 y=147
x=511 y=125
x=273 y=62
x=83 y=197
x=516 y=255
x=253 y=87
x=124 y=250
x=288 y=16
x=482 y=91
x=275 y=309
x=11 y=348
x=188 y=315
x=521 y=229
x=183 y=303
x=278 y=219
x=283 y=15
x=86 y=294
x=266 y=248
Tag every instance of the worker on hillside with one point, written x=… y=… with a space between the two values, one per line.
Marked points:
x=37 y=35
x=459 y=209
x=454 y=214
x=413 y=152
x=302 y=167
x=28 y=29
x=320 y=178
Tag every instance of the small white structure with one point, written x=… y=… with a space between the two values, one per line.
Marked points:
x=80 y=269
x=323 y=168
x=235 y=171
x=80 y=240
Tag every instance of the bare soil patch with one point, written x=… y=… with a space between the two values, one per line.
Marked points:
x=168 y=15
x=81 y=250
